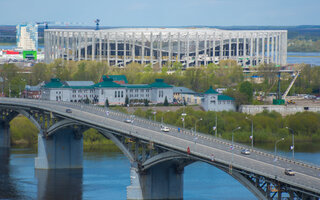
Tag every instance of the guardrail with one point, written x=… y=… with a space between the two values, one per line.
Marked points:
x=122 y=116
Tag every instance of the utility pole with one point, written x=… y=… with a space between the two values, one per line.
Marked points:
x=216 y=125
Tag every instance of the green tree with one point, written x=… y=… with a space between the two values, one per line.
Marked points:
x=126 y=101
x=106 y=103
x=165 y=103
x=146 y=102
x=247 y=89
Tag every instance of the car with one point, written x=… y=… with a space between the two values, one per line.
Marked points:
x=68 y=110
x=128 y=121
x=289 y=172
x=245 y=151
x=165 y=129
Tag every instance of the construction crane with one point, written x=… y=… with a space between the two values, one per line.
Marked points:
x=291 y=84
x=97 y=21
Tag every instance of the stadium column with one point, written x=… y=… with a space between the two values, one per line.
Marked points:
x=179 y=47
x=230 y=46
x=116 y=48
x=86 y=45
x=73 y=46
x=284 y=48
x=142 y=48
x=268 y=48
x=257 y=49
x=108 y=49
x=63 y=49
x=187 y=53
x=214 y=48
x=79 y=45
x=237 y=48
x=263 y=49
x=221 y=47
x=67 y=45
x=105 y=46
x=251 y=49
x=100 y=46
x=197 y=50
x=151 y=49
x=276 y=49
x=93 y=42
x=205 y=49
x=160 y=49
x=170 y=48
x=244 y=49
x=272 y=47
x=133 y=47
x=124 y=49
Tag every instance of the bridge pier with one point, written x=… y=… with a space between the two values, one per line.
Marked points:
x=61 y=150
x=4 y=134
x=59 y=183
x=162 y=181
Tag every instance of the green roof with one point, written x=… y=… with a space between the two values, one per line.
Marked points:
x=55 y=83
x=138 y=86
x=224 y=97
x=119 y=78
x=160 y=84
x=211 y=91
x=107 y=83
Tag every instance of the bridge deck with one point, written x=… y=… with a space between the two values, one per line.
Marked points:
x=202 y=146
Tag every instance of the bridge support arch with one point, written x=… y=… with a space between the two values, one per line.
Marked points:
x=61 y=150
x=161 y=181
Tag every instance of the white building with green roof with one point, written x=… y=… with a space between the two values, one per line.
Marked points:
x=79 y=91
x=214 y=101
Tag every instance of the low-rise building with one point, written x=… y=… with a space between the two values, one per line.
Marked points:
x=183 y=94
x=213 y=101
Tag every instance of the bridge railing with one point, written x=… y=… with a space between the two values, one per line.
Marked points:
x=122 y=116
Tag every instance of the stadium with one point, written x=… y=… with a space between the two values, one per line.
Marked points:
x=161 y=46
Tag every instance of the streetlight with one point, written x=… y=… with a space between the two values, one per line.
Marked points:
x=238 y=128
x=292 y=147
x=251 y=132
x=275 y=148
x=183 y=118
x=154 y=113
x=162 y=116
x=195 y=125
x=275 y=154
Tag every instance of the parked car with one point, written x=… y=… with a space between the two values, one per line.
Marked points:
x=165 y=129
x=289 y=172
x=68 y=110
x=245 y=151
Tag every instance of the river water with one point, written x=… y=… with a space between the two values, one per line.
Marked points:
x=106 y=176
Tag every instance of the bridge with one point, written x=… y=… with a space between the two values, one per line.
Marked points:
x=157 y=158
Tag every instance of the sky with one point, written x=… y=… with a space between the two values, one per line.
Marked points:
x=163 y=12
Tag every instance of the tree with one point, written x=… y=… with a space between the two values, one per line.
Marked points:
x=126 y=101
x=107 y=103
x=247 y=89
x=146 y=102
x=87 y=101
x=166 y=103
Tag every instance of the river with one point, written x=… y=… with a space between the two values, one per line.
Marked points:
x=106 y=176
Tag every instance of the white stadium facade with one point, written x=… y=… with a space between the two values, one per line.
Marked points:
x=190 y=46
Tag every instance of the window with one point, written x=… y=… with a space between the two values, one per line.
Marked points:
x=115 y=94
x=121 y=93
x=147 y=90
x=118 y=93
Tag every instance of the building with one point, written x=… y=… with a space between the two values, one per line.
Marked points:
x=32 y=92
x=81 y=91
x=214 y=101
x=183 y=94
x=27 y=37
x=190 y=46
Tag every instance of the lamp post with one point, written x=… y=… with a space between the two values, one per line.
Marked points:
x=251 y=132
x=292 y=147
x=163 y=115
x=216 y=126
x=195 y=125
x=183 y=118
x=275 y=154
x=238 y=128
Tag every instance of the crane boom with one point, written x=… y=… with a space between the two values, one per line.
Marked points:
x=291 y=84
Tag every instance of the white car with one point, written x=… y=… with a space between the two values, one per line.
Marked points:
x=128 y=121
x=165 y=129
